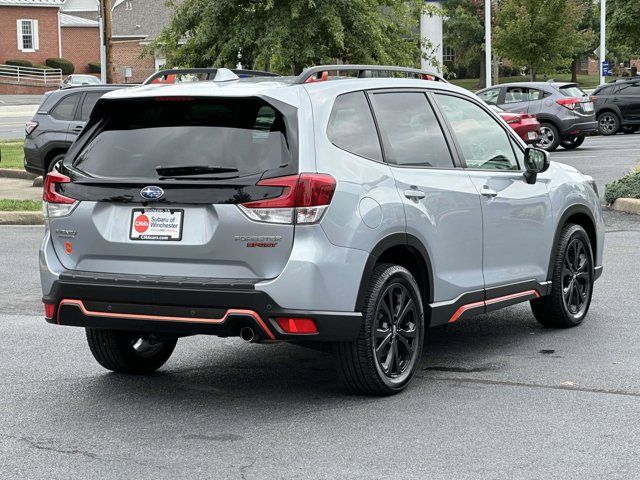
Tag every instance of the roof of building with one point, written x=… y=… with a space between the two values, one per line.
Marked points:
x=67 y=20
x=31 y=3
x=145 y=19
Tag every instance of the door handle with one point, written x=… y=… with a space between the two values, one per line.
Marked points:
x=488 y=192
x=78 y=128
x=414 y=194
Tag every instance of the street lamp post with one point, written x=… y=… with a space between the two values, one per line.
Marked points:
x=487 y=41
x=603 y=52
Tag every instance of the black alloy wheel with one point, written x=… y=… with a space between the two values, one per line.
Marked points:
x=395 y=343
x=576 y=278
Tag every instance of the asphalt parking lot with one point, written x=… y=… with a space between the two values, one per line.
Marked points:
x=496 y=397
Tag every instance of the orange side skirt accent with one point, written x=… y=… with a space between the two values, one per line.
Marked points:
x=491 y=301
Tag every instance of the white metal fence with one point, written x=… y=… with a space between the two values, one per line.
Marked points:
x=38 y=76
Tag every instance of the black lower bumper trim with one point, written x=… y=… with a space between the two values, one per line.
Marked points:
x=180 y=310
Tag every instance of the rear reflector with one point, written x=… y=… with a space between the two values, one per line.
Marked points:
x=295 y=325
x=49 y=310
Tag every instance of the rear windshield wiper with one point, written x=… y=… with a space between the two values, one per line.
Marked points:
x=188 y=170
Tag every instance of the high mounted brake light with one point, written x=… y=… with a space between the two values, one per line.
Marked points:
x=303 y=200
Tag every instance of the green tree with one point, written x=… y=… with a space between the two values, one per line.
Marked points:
x=541 y=34
x=623 y=28
x=464 y=32
x=588 y=40
x=292 y=34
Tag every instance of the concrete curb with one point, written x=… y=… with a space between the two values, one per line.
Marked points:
x=15 y=173
x=21 y=218
x=628 y=205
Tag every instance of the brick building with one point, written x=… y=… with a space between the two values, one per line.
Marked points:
x=35 y=30
x=135 y=24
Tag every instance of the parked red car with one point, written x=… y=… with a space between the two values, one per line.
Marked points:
x=524 y=124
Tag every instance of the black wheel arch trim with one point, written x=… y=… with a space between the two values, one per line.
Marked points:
x=390 y=241
x=572 y=210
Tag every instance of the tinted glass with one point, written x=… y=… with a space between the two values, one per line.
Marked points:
x=351 y=126
x=66 y=108
x=629 y=89
x=484 y=143
x=490 y=96
x=412 y=134
x=246 y=134
x=572 y=91
x=89 y=101
x=521 y=94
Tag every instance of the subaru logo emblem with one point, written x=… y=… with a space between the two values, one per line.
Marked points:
x=151 y=193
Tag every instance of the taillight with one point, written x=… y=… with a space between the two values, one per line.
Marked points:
x=57 y=205
x=569 y=102
x=303 y=200
x=30 y=126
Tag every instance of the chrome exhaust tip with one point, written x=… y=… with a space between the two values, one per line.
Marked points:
x=247 y=334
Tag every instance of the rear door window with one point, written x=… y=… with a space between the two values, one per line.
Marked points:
x=351 y=126
x=237 y=136
x=410 y=130
x=88 y=103
x=66 y=108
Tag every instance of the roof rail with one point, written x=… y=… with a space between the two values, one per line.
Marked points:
x=321 y=72
x=160 y=77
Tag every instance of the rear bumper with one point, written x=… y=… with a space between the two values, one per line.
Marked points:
x=185 y=308
x=579 y=129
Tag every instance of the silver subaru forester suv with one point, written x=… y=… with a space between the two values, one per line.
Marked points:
x=356 y=205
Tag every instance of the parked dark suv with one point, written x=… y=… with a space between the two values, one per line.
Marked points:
x=618 y=107
x=58 y=121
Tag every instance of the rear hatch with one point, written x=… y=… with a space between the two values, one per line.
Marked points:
x=157 y=184
x=576 y=99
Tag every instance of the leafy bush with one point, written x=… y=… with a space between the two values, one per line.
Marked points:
x=19 y=63
x=626 y=187
x=94 y=67
x=62 y=63
x=41 y=66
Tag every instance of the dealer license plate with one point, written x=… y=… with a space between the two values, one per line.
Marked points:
x=164 y=224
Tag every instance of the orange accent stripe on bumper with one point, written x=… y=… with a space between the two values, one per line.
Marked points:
x=164 y=318
x=491 y=301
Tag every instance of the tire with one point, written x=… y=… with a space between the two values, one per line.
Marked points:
x=608 y=123
x=392 y=289
x=53 y=162
x=117 y=351
x=557 y=309
x=628 y=129
x=549 y=137
x=571 y=143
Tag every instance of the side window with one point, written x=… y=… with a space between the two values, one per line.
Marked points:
x=411 y=131
x=351 y=126
x=88 y=103
x=629 y=89
x=516 y=95
x=66 y=108
x=484 y=143
x=490 y=96
x=535 y=94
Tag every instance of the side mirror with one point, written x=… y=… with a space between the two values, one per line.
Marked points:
x=536 y=161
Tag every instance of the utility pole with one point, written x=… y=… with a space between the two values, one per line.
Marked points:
x=603 y=51
x=487 y=41
x=106 y=71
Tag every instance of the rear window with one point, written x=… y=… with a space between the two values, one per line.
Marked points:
x=572 y=91
x=245 y=134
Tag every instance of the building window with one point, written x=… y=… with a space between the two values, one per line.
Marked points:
x=27 y=31
x=449 y=55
